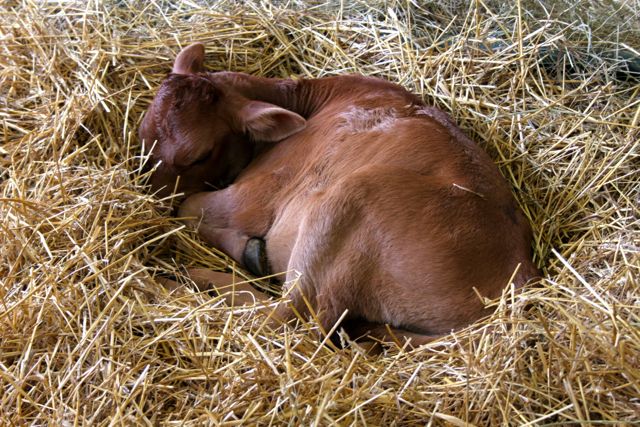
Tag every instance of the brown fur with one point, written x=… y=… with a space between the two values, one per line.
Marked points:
x=380 y=203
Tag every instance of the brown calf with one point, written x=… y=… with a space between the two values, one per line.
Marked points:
x=379 y=204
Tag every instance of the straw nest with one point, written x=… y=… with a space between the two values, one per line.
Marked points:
x=87 y=336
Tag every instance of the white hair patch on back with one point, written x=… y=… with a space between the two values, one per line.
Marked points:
x=359 y=119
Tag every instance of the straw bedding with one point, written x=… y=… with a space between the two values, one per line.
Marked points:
x=88 y=337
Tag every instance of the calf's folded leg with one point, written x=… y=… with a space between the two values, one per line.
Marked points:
x=217 y=216
x=233 y=289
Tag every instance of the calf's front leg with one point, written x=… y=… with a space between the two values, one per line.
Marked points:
x=214 y=216
x=235 y=291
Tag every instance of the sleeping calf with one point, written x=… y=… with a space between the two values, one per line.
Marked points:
x=378 y=203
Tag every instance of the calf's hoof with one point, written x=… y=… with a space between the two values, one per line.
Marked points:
x=255 y=257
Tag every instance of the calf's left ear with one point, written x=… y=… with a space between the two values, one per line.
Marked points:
x=269 y=123
x=190 y=60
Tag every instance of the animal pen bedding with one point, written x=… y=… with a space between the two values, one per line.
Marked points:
x=87 y=336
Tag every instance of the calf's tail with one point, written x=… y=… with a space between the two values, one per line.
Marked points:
x=360 y=331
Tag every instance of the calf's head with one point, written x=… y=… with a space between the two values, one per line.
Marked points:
x=202 y=130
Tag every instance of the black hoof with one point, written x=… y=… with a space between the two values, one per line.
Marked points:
x=255 y=257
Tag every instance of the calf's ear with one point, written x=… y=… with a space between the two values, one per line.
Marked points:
x=190 y=60
x=269 y=123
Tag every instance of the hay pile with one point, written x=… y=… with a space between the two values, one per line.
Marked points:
x=88 y=337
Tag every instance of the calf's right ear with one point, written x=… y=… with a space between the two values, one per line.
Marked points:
x=269 y=123
x=190 y=60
